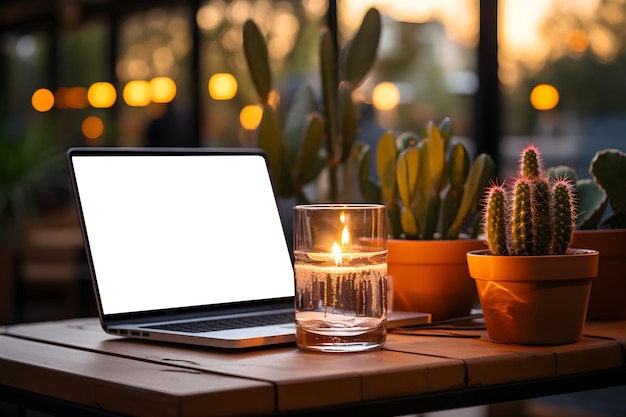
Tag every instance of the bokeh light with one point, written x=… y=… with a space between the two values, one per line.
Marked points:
x=544 y=97
x=73 y=97
x=577 y=41
x=386 y=96
x=163 y=89
x=250 y=116
x=273 y=99
x=210 y=15
x=137 y=93
x=101 y=95
x=92 y=127
x=222 y=86
x=42 y=100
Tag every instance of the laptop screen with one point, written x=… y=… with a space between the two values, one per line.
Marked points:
x=181 y=229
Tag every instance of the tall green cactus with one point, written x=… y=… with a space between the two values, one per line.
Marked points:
x=313 y=140
x=522 y=220
x=428 y=191
x=536 y=216
x=496 y=220
x=563 y=216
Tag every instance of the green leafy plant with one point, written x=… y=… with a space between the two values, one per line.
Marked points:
x=312 y=139
x=535 y=216
x=27 y=162
x=429 y=184
x=606 y=188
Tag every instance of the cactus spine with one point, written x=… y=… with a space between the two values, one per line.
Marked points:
x=535 y=217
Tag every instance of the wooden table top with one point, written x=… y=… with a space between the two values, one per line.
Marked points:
x=75 y=361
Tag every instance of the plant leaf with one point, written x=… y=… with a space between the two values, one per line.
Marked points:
x=272 y=142
x=370 y=191
x=592 y=202
x=349 y=120
x=257 y=58
x=386 y=156
x=303 y=105
x=609 y=169
x=359 y=54
x=313 y=136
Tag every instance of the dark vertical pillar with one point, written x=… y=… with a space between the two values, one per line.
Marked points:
x=333 y=27
x=487 y=111
x=113 y=47
x=112 y=55
x=196 y=82
x=53 y=54
x=331 y=20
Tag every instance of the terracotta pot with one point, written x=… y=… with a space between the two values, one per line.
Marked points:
x=431 y=276
x=536 y=300
x=607 y=293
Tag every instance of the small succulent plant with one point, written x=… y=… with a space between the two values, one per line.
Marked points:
x=429 y=184
x=313 y=139
x=607 y=187
x=535 y=216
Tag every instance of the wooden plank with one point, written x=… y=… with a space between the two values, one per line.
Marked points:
x=487 y=363
x=490 y=363
x=589 y=354
x=613 y=329
x=128 y=386
x=303 y=379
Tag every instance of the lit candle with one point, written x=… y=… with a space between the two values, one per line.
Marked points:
x=340 y=286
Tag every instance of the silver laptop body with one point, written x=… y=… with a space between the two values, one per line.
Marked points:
x=185 y=235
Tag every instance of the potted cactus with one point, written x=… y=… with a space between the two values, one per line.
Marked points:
x=432 y=190
x=533 y=288
x=603 y=229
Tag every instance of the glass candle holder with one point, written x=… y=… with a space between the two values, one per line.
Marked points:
x=340 y=276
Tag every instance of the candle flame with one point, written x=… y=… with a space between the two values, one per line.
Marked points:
x=337 y=254
x=345 y=236
x=345 y=241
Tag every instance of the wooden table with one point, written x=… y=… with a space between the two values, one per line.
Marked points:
x=57 y=366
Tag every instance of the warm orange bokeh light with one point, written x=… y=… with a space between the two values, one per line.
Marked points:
x=578 y=41
x=222 y=86
x=92 y=127
x=42 y=100
x=544 y=97
x=163 y=89
x=250 y=116
x=273 y=99
x=137 y=93
x=71 y=98
x=101 y=95
x=386 y=96
x=76 y=98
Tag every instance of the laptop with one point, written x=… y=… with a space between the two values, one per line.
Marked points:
x=187 y=245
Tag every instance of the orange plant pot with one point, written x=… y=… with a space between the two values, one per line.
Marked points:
x=607 y=293
x=535 y=300
x=431 y=276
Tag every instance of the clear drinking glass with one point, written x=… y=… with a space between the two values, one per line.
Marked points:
x=340 y=276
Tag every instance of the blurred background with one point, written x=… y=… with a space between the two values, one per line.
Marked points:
x=173 y=73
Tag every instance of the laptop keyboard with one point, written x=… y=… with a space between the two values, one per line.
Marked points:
x=227 y=324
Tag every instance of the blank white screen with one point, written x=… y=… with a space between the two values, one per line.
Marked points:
x=168 y=231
